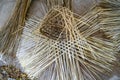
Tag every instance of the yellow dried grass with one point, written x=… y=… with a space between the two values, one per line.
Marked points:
x=9 y=36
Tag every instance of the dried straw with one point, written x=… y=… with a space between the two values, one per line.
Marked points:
x=111 y=20
x=10 y=34
x=68 y=48
x=65 y=3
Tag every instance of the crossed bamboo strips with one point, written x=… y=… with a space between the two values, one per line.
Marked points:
x=11 y=33
x=69 y=46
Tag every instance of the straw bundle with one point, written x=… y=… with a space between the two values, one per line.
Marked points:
x=10 y=34
x=70 y=46
x=111 y=20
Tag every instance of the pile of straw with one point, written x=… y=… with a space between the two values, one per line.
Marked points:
x=70 y=46
x=65 y=45
x=12 y=30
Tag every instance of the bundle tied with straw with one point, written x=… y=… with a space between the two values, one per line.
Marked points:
x=12 y=30
x=69 y=46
